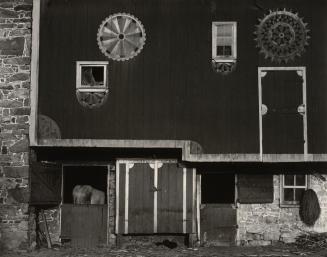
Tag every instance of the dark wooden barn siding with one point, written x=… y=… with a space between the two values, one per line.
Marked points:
x=169 y=91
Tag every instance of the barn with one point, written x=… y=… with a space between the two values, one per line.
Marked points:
x=198 y=119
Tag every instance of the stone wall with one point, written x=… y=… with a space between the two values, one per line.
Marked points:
x=15 y=51
x=264 y=224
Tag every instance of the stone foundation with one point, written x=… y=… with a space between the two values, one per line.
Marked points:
x=264 y=224
x=15 y=49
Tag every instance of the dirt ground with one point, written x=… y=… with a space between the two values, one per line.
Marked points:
x=162 y=251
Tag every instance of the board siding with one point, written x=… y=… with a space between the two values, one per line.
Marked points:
x=170 y=85
x=46 y=179
x=282 y=125
x=170 y=199
x=121 y=219
x=140 y=214
x=255 y=188
x=76 y=219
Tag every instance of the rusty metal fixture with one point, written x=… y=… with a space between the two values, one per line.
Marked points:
x=281 y=36
x=223 y=67
x=90 y=99
x=121 y=36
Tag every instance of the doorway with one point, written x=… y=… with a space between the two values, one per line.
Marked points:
x=218 y=212
x=84 y=225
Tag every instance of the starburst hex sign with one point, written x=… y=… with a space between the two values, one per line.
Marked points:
x=121 y=36
x=281 y=35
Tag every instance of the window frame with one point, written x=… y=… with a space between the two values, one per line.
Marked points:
x=284 y=203
x=222 y=58
x=98 y=88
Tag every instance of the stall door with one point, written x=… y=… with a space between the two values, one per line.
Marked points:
x=84 y=224
x=154 y=197
x=282 y=110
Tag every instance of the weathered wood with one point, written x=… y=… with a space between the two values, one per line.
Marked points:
x=141 y=199
x=46 y=229
x=80 y=218
x=45 y=183
x=255 y=188
x=218 y=224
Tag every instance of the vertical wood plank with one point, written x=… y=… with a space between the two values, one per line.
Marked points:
x=128 y=166
x=184 y=200
x=198 y=201
x=155 y=199
x=121 y=203
x=107 y=225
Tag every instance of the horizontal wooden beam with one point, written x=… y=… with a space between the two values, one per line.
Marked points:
x=185 y=146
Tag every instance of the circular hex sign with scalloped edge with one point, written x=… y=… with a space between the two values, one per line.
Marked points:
x=121 y=36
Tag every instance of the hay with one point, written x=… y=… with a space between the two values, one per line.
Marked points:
x=309 y=207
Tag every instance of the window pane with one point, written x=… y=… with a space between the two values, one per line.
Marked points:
x=225 y=30
x=298 y=194
x=92 y=76
x=289 y=180
x=300 y=180
x=224 y=50
x=288 y=194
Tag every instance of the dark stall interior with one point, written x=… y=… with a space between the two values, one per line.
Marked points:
x=95 y=176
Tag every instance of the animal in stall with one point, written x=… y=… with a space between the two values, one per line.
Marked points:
x=86 y=194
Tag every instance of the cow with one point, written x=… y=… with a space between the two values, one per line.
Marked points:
x=86 y=194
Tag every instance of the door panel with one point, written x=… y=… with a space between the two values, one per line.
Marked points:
x=85 y=225
x=140 y=209
x=282 y=124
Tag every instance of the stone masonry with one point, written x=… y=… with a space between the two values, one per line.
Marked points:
x=15 y=52
x=264 y=224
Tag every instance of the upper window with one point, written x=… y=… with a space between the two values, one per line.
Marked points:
x=91 y=83
x=292 y=188
x=224 y=41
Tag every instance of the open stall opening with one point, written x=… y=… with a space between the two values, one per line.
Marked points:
x=78 y=218
x=95 y=176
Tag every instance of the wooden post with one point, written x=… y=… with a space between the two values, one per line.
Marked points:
x=46 y=229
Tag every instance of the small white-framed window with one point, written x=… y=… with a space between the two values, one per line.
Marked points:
x=224 y=48
x=91 y=76
x=292 y=188
x=92 y=83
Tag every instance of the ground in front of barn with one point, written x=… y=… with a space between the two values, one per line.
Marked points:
x=280 y=250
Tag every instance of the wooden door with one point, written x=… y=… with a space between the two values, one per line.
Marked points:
x=283 y=111
x=155 y=196
x=45 y=183
x=84 y=224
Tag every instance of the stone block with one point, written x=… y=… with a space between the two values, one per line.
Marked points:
x=20 y=32
x=20 y=111
x=23 y=7
x=19 y=93
x=10 y=104
x=13 y=46
x=16 y=172
x=18 y=195
x=19 y=77
x=271 y=236
x=259 y=243
x=13 y=240
x=20 y=146
x=17 y=61
x=5 y=13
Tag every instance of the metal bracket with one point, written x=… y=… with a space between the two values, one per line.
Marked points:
x=301 y=109
x=264 y=109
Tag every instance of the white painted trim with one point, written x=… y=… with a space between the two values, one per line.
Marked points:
x=34 y=72
x=233 y=57
x=126 y=198
x=80 y=64
x=108 y=205
x=155 y=198
x=302 y=71
x=194 y=202
x=305 y=122
x=117 y=198
x=198 y=203
x=184 y=200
